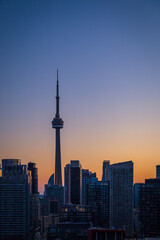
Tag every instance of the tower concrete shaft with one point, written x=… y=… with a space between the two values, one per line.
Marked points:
x=57 y=123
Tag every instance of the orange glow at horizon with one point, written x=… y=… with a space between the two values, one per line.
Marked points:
x=90 y=148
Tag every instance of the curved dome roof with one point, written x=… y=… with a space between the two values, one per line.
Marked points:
x=51 y=180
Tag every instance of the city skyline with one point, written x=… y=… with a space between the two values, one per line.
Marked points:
x=108 y=60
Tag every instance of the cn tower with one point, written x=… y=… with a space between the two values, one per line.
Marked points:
x=57 y=123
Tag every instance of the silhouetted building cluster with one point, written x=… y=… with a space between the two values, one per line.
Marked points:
x=111 y=208
x=84 y=208
x=148 y=208
x=106 y=204
x=19 y=200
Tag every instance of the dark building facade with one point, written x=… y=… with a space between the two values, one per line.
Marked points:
x=15 y=189
x=120 y=176
x=149 y=208
x=73 y=182
x=87 y=178
x=75 y=213
x=34 y=174
x=76 y=183
x=136 y=194
x=104 y=170
x=98 y=200
x=34 y=200
x=69 y=231
x=158 y=171
x=136 y=210
x=103 y=234
x=55 y=192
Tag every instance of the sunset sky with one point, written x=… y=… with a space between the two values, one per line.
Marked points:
x=108 y=56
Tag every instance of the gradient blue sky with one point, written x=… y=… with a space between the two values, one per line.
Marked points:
x=108 y=56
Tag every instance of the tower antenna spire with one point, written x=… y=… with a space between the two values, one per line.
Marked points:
x=57 y=84
x=57 y=98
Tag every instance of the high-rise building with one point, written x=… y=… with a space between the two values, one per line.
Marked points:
x=34 y=199
x=73 y=182
x=87 y=178
x=57 y=123
x=104 y=170
x=120 y=176
x=149 y=208
x=7 y=165
x=34 y=174
x=15 y=189
x=136 y=194
x=98 y=200
x=67 y=183
x=136 y=211
x=158 y=171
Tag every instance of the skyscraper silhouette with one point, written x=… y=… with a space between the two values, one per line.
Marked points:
x=106 y=163
x=57 y=123
x=15 y=200
x=120 y=176
x=73 y=182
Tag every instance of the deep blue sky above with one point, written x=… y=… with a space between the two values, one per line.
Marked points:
x=108 y=56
